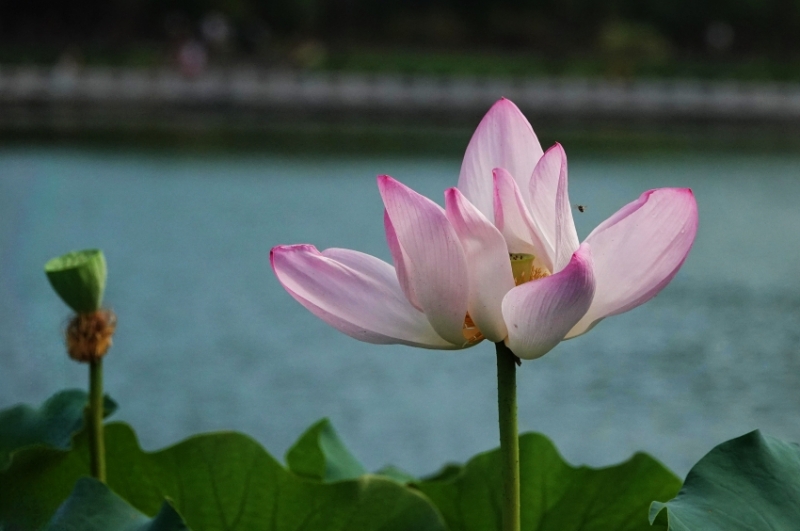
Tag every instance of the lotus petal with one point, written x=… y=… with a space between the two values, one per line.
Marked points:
x=503 y=139
x=355 y=293
x=638 y=250
x=433 y=259
x=539 y=313
x=488 y=266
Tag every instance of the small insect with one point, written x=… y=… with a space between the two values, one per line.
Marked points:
x=581 y=208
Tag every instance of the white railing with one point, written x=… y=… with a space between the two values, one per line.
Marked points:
x=282 y=89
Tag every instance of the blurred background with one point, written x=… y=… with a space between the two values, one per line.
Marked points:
x=186 y=139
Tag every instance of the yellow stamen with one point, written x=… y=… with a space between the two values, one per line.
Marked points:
x=470 y=331
x=523 y=269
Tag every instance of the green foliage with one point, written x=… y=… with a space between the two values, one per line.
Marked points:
x=79 y=278
x=93 y=507
x=221 y=481
x=319 y=454
x=751 y=482
x=555 y=495
x=400 y=476
x=226 y=481
x=52 y=424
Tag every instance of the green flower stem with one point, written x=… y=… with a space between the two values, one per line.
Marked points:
x=94 y=418
x=509 y=440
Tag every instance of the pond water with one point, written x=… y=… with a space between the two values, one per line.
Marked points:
x=208 y=340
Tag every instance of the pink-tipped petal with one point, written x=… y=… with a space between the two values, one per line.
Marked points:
x=355 y=293
x=503 y=139
x=433 y=258
x=550 y=209
x=514 y=221
x=638 y=250
x=488 y=265
x=540 y=313
x=399 y=261
x=566 y=235
x=542 y=192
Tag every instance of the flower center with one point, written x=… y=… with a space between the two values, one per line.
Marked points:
x=524 y=271
x=470 y=331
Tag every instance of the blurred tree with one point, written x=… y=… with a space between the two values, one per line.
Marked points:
x=740 y=28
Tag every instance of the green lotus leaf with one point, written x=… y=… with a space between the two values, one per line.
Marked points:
x=321 y=455
x=447 y=472
x=93 y=507
x=751 y=482
x=397 y=474
x=555 y=495
x=79 y=278
x=52 y=424
x=219 y=481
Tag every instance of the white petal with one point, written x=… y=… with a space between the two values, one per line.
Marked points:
x=539 y=313
x=638 y=250
x=355 y=293
x=488 y=264
x=433 y=259
x=503 y=139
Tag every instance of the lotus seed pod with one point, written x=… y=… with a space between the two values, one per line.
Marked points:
x=79 y=278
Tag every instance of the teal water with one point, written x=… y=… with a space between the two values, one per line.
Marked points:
x=208 y=340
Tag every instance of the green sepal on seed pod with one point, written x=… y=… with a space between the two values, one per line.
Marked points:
x=79 y=278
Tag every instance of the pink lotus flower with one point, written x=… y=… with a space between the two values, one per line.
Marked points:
x=501 y=261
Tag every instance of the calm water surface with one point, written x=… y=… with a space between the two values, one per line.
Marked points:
x=208 y=340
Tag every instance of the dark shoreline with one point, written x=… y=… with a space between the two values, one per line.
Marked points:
x=292 y=112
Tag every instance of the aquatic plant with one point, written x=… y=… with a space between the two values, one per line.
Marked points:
x=501 y=261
